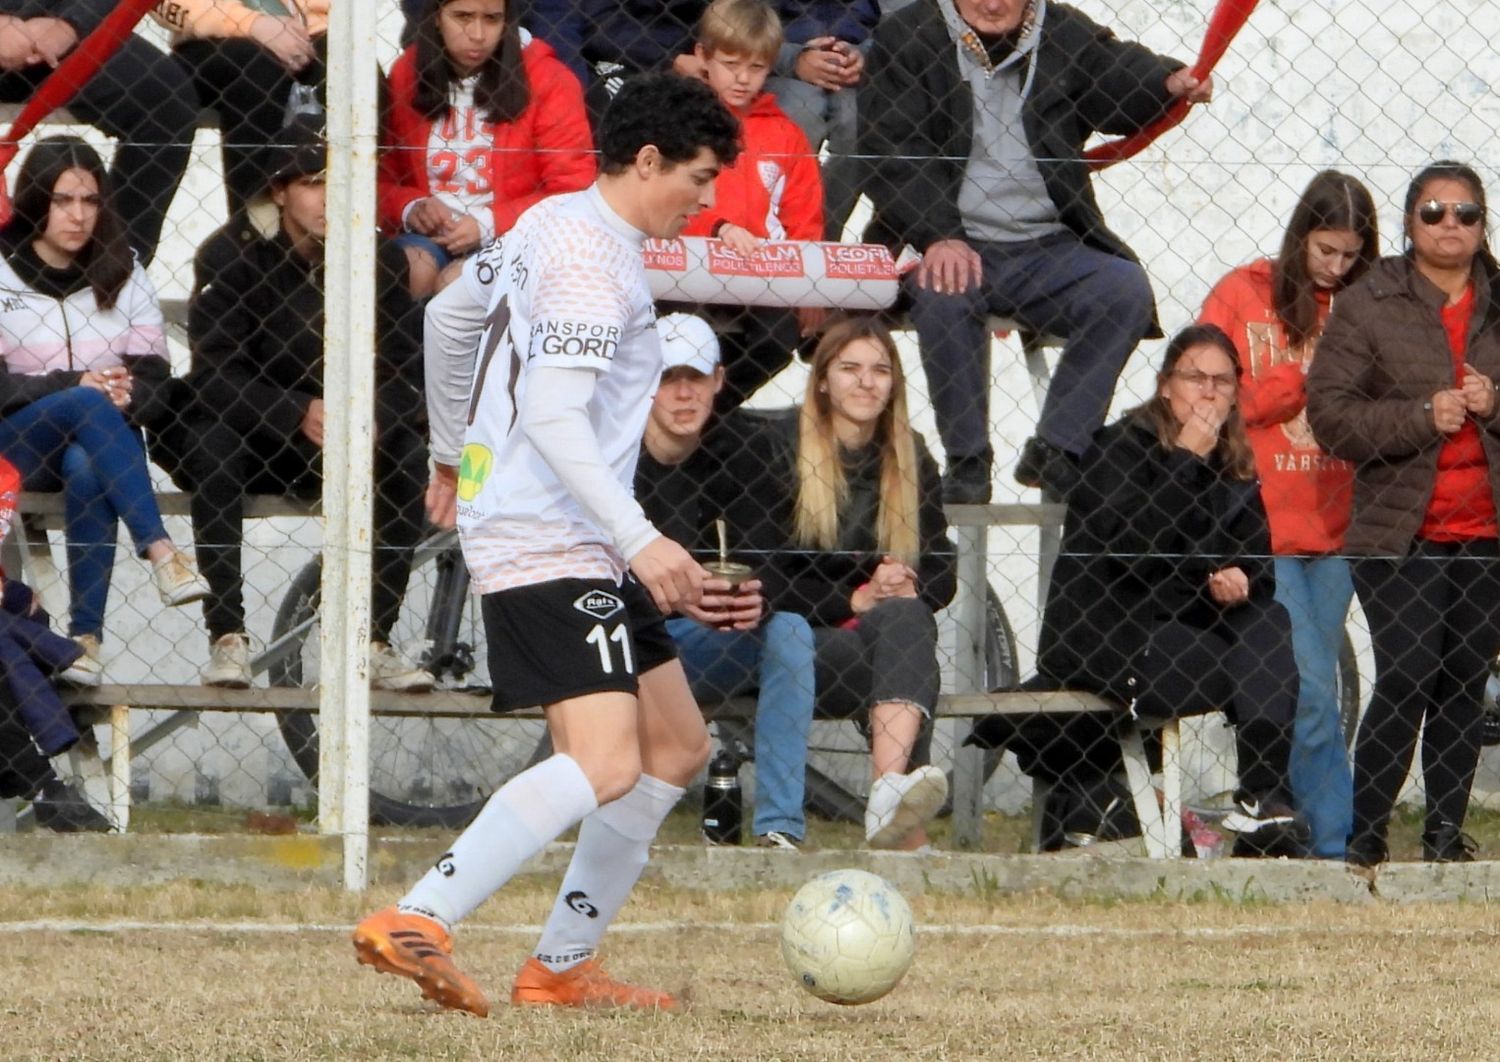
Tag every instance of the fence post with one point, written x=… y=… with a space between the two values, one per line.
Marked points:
x=968 y=675
x=348 y=390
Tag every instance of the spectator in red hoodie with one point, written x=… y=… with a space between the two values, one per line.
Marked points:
x=1274 y=311
x=483 y=122
x=772 y=192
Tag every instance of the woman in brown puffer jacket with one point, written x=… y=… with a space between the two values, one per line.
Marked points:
x=1404 y=386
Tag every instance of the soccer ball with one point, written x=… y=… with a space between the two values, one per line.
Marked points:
x=847 y=936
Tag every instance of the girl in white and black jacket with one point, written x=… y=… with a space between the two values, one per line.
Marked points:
x=85 y=362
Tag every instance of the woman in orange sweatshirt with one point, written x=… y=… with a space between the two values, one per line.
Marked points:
x=1274 y=310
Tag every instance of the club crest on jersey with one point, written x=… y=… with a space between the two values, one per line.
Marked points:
x=599 y=604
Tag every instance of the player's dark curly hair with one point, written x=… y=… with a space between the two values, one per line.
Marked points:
x=679 y=115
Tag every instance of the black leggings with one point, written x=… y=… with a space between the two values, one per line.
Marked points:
x=1239 y=660
x=1434 y=620
x=221 y=467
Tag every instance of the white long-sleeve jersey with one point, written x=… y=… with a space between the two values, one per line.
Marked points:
x=543 y=493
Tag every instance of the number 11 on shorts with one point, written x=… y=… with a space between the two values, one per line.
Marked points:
x=599 y=640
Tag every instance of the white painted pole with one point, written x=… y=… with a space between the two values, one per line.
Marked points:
x=348 y=389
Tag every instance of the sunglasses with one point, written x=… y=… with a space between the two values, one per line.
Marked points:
x=1466 y=214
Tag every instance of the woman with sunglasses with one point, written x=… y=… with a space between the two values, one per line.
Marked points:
x=1404 y=387
x=1274 y=310
x=1163 y=595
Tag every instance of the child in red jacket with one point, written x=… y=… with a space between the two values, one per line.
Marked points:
x=483 y=122
x=773 y=191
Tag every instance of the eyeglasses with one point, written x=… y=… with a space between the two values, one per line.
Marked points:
x=1466 y=214
x=1223 y=382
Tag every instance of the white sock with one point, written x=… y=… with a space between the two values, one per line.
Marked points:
x=524 y=815
x=613 y=845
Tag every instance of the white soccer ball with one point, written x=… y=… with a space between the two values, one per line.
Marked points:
x=847 y=936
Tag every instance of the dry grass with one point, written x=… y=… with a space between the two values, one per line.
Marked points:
x=1017 y=977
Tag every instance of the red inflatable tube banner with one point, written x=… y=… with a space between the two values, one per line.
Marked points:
x=1227 y=20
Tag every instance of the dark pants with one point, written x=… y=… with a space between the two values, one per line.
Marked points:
x=30 y=653
x=1238 y=660
x=23 y=769
x=145 y=101
x=248 y=88
x=1434 y=620
x=756 y=343
x=221 y=467
x=1058 y=286
x=890 y=656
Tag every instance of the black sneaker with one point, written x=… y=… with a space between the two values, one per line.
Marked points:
x=1045 y=466
x=1366 y=851
x=63 y=809
x=1266 y=826
x=1448 y=844
x=967 y=481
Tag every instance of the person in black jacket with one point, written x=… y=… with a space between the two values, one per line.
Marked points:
x=138 y=96
x=844 y=500
x=975 y=113
x=255 y=326
x=1162 y=596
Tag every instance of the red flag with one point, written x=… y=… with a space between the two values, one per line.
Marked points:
x=1227 y=20
x=82 y=63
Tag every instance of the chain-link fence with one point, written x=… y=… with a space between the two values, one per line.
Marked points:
x=952 y=445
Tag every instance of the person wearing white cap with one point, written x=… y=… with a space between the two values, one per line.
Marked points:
x=729 y=643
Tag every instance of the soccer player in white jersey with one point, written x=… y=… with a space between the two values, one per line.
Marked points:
x=576 y=582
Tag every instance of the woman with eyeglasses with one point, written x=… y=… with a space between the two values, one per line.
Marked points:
x=1163 y=595
x=1274 y=309
x=1404 y=387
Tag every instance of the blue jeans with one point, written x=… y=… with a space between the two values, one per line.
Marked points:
x=1316 y=593
x=76 y=441
x=1056 y=285
x=776 y=659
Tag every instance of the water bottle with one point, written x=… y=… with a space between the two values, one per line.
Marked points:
x=722 y=806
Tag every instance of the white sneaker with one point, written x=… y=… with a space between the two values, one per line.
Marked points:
x=87 y=670
x=391 y=669
x=228 y=663
x=900 y=803
x=177 y=580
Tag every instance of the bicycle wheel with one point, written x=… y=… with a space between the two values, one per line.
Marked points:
x=424 y=771
x=1347 y=677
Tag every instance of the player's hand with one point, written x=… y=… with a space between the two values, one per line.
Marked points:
x=1478 y=391
x=729 y=609
x=1229 y=586
x=429 y=217
x=1182 y=84
x=441 y=500
x=286 y=39
x=950 y=267
x=740 y=240
x=820 y=65
x=461 y=236
x=1449 y=411
x=670 y=574
x=52 y=38
x=313 y=421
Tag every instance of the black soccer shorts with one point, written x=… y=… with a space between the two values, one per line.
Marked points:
x=566 y=638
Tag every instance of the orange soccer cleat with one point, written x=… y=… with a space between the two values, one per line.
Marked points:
x=418 y=948
x=584 y=985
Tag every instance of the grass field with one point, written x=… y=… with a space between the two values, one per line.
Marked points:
x=189 y=971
